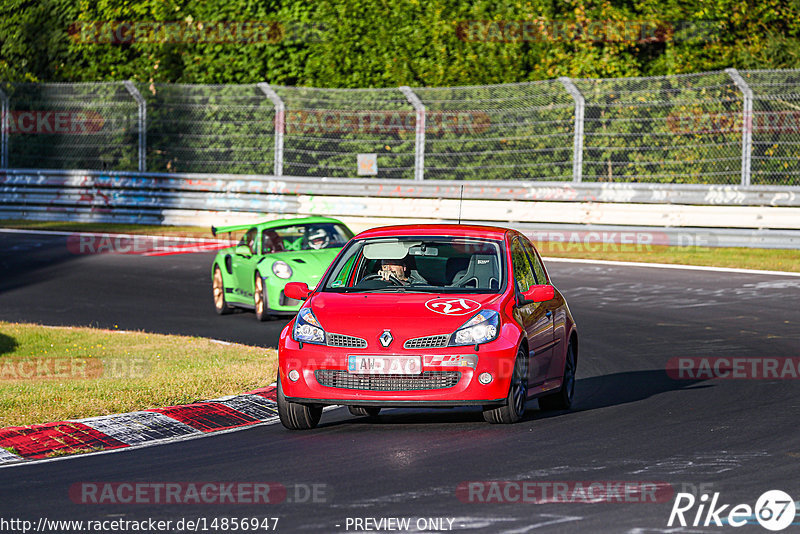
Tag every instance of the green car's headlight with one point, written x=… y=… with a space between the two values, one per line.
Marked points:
x=307 y=329
x=481 y=328
x=281 y=269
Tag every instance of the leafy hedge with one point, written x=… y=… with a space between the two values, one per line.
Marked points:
x=367 y=43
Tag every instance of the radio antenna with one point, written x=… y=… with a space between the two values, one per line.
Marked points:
x=460 y=202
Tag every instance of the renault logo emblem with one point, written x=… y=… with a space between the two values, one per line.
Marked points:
x=386 y=338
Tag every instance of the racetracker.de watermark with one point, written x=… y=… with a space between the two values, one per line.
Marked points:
x=148 y=245
x=70 y=368
x=60 y=122
x=212 y=492
x=120 y=32
x=593 y=31
x=565 y=491
x=384 y=122
x=736 y=368
x=763 y=122
x=615 y=240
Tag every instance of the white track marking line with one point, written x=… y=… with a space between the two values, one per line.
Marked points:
x=547 y=258
x=671 y=266
x=115 y=234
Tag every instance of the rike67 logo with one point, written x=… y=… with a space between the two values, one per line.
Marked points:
x=774 y=510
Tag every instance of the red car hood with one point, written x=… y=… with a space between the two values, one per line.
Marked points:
x=407 y=315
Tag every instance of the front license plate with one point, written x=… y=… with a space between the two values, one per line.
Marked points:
x=384 y=365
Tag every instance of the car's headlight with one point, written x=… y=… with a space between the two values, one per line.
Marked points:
x=481 y=328
x=281 y=269
x=307 y=329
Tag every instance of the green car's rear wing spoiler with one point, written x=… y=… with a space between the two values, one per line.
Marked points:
x=273 y=224
x=233 y=228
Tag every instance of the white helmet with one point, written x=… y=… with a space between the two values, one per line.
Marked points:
x=318 y=239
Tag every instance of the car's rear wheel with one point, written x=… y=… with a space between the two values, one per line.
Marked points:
x=562 y=399
x=218 y=291
x=365 y=411
x=260 y=299
x=296 y=416
x=514 y=407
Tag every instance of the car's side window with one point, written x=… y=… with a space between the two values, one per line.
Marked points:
x=523 y=274
x=249 y=239
x=538 y=269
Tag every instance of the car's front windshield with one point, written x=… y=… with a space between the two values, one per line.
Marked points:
x=437 y=264
x=313 y=236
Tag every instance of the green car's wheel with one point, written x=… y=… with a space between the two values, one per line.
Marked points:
x=365 y=411
x=218 y=290
x=260 y=298
x=296 y=416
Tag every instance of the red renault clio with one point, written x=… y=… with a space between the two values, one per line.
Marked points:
x=428 y=315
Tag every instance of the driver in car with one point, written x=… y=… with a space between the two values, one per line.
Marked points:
x=399 y=270
x=319 y=239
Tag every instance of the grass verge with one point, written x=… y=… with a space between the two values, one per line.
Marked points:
x=739 y=258
x=55 y=373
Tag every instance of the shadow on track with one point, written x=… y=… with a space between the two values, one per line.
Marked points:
x=590 y=394
x=28 y=259
x=620 y=388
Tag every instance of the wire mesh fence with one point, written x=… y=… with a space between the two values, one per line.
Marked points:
x=70 y=126
x=679 y=129
x=775 y=126
x=208 y=128
x=325 y=130
x=726 y=127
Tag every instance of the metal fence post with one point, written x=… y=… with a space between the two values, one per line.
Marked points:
x=577 y=142
x=280 y=119
x=747 y=123
x=142 y=123
x=4 y=126
x=419 y=147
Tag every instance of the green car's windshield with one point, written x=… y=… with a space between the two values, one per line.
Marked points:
x=424 y=264
x=312 y=236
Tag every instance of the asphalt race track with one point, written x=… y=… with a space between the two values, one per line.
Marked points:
x=631 y=421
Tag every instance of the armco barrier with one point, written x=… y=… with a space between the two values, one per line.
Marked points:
x=208 y=198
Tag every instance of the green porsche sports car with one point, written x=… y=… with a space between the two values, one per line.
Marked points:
x=270 y=254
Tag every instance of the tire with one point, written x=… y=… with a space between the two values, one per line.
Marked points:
x=365 y=411
x=218 y=293
x=296 y=416
x=514 y=407
x=260 y=299
x=562 y=399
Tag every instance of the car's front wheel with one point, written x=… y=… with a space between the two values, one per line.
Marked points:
x=562 y=399
x=218 y=290
x=296 y=416
x=365 y=411
x=260 y=299
x=514 y=407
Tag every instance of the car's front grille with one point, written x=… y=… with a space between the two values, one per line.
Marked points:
x=335 y=378
x=427 y=342
x=341 y=340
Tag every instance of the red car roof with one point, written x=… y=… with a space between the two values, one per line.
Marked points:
x=458 y=230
